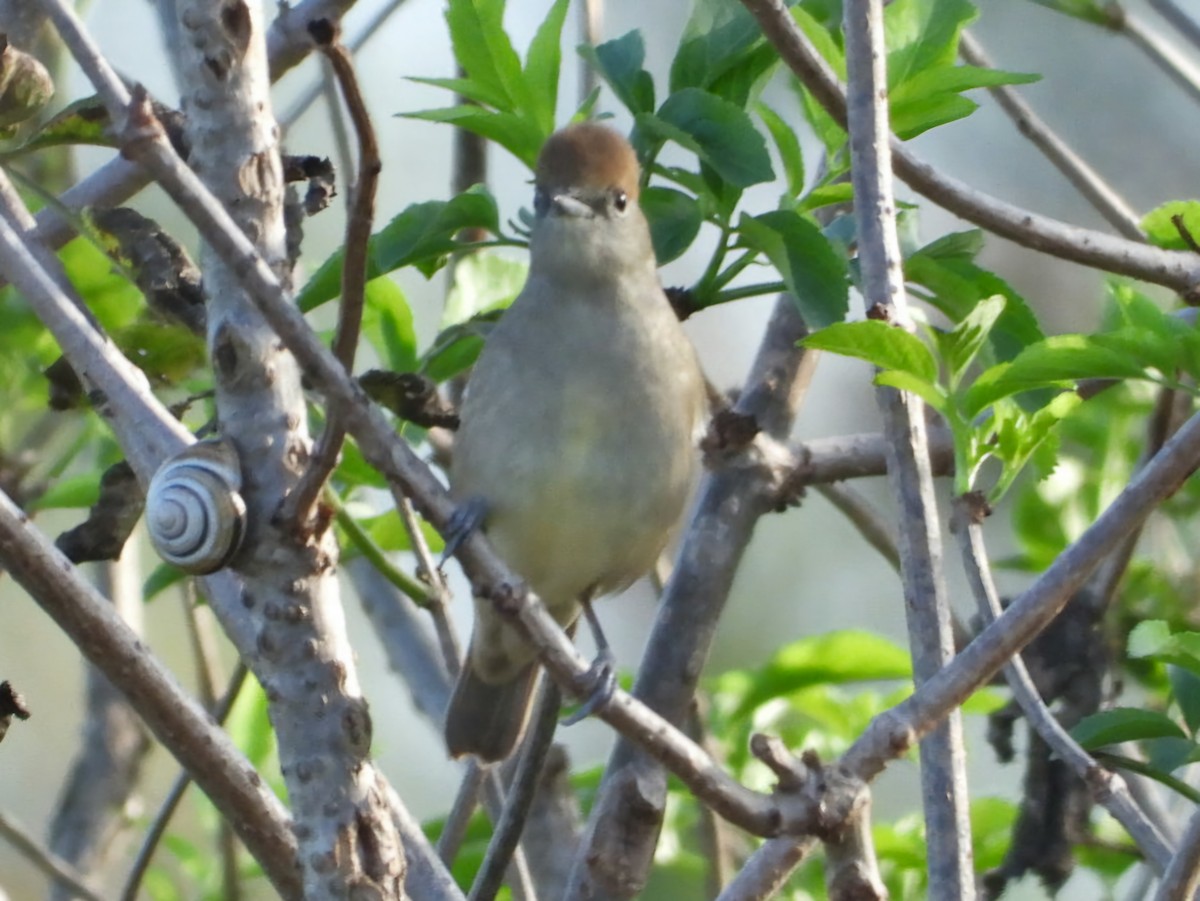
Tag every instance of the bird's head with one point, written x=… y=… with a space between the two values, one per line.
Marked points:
x=586 y=204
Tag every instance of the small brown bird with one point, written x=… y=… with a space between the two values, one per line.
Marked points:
x=577 y=444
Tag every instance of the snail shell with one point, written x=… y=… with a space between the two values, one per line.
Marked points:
x=194 y=509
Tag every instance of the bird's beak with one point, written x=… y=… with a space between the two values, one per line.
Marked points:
x=568 y=205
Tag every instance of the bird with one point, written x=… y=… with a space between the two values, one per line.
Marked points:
x=577 y=448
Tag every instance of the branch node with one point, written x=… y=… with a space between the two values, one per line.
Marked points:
x=324 y=32
x=141 y=125
x=792 y=774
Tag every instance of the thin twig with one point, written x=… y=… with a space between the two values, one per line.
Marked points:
x=1182 y=875
x=591 y=33
x=359 y=220
x=109 y=766
x=713 y=837
x=50 y=864
x=417 y=591
x=1078 y=172
x=519 y=799
x=1174 y=64
x=1107 y=787
x=439 y=592
x=305 y=100
x=465 y=801
x=1180 y=20
x=926 y=605
x=166 y=811
x=767 y=871
x=119 y=179
x=182 y=726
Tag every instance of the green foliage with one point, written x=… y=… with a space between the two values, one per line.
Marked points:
x=83 y=122
x=1008 y=434
x=514 y=105
x=1094 y=11
x=1162 y=229
x=1167 y=742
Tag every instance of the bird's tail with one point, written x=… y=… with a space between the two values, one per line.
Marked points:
x=485 y=719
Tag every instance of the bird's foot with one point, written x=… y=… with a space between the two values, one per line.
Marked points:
x=602 y=679
x=464 y=521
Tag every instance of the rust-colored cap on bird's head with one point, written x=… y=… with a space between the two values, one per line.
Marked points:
x=588 y=155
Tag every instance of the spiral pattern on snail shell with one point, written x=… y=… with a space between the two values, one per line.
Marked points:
x=195 y=513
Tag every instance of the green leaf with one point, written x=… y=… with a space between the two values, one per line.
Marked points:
x=929 y=392
x=1134 y=765
x=718 y=132
x=675 y=220
x=836 y=657
x=788 y=145
x=962 y=344
x=886 y=346
x=1170 y=753
x=932 y=97
x=115 y=300
x=484 y=50
x=388 y=324
x=424 y=234
x=456 y=347
x=920 y=115
x=1154 y=639
x=249 y=724
x=483 y=281
x=1185 y=688
x=1053 y=363
x=160 y=579
x=518 y=135
x=827 y=195
x=619 y=63
x=474 y=91
x=1163 y=232
x=922 y=34
x=947 y=269
x=1110 y=727
x=717 y=34
x=952 y=79
x=1088 y=10
x=354 y=470
x=543 y=62
x=69 y=493
x=83 y=122
x=955 y=246
x=813 y=270
x=722 y=51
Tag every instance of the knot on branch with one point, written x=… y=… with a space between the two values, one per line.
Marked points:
x=682 y=301
x=729 y=431
x=815 y=799
x=969 y=509
x=792 y=476
x=506 y=597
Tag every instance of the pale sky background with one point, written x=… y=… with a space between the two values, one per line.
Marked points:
x=807 y=571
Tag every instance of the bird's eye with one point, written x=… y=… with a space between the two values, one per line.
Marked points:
x=620 y=201
x=541 y=201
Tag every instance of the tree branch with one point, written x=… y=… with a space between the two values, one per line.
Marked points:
x=927 y=608
x=1177 y=270
x=1108 y=788
x=1099 y=193
x=176 y=720
x=360 y=218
